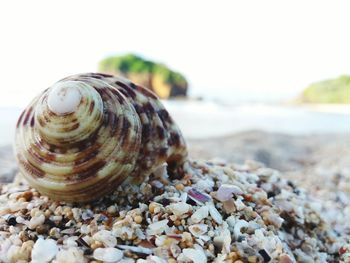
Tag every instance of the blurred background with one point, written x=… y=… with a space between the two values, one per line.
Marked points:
x=263 y=80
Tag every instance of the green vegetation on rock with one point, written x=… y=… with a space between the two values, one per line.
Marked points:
x=328 y=91
x=155 y=76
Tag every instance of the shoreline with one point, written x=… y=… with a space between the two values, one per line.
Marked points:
x=338 y=108
x=206 y=119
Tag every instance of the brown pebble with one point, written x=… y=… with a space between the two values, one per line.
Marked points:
x=189 y=243
x=69 y=215
x=24 y=211
x=179 y=187
x=232 y=256
x=96 y=244
x=55 y=232
x=252 y=259
x=182 y=244
x=47 y=213
x=177 y=222
x=28 y=195
x=22 y=199
x=285 y=259
x=23 y=235
x=42 y=229
x=152 y=206
x=138 y=219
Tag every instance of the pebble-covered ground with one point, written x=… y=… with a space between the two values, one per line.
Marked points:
x=320 y=164
x=218 y=212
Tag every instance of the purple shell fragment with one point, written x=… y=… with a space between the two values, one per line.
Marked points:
x=201 y=197
x=226 y=191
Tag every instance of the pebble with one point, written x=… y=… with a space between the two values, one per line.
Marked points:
x=198 y=229
x=13 y=254
x=156 y=259
x=197 y=256
x=11 y=220
x=285 y=259
x=238 y=226
x=36 y=221
x=138 y=219
x=26 y=249
x=180 y=208
x=70 y=255
x=106 y=238
x=157 y=228
x=214 y=213
x=44 y=250
x=108 y=254
x=88 y=214
x=200 y=214
x=226 y=191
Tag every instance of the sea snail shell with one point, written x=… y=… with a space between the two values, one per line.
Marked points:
x=89 y=133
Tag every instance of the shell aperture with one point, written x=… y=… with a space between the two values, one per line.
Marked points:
x=89 y=133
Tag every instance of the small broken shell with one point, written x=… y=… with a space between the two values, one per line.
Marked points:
x=226 y=191
x=88 y=133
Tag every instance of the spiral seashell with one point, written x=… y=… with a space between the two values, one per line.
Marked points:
x=89 y=133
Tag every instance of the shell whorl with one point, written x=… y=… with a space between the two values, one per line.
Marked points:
x=113 y=131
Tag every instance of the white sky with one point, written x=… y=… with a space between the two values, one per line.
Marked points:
x=225 y=48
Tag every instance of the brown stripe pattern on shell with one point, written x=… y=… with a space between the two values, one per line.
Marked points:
x=120 y=132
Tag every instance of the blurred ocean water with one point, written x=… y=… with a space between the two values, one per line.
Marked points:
x=8 y=119
x=202 y=119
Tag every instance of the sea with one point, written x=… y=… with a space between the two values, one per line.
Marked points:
x=199 y=119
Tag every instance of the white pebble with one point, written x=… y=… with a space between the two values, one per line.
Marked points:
x=16 y=206
x=70 y=242
x=205 y=184
x=84 y=229
x=106 y=237
x=180 y=208
x=157 y=227
x=13 y=254
x=223 y=241
x=239 y=204
x=197 y=256
x=214 y=213
x=198 y=229
x=160 y=240
x=109 y=254
x=200 y=214
x=44 y=250
x=36 y=221
x=238 y=226
x=5 y=246
x=72 y=254
x=127 y=260
x=20 y=220
x=226 y=191
x=156 y=259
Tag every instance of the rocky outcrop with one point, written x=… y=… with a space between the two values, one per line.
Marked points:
x=165 y=82
x=328 y=91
